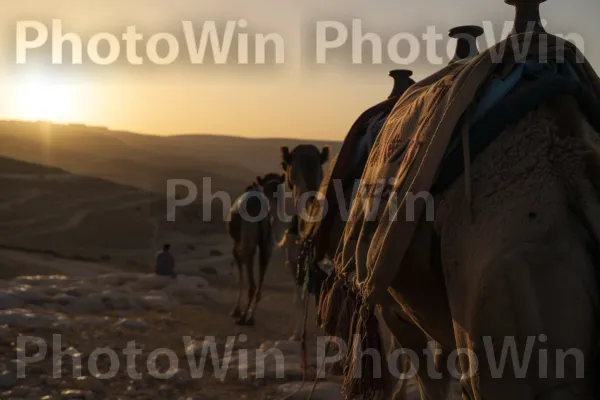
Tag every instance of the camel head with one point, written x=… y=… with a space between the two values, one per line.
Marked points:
x=303 y=169
x=269 y=185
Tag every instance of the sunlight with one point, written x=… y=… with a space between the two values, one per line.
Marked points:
x=39 y=98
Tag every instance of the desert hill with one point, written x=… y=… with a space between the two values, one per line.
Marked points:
x=146 y=161
x=50 y=210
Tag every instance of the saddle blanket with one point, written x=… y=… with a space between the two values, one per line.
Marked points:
x=417 y=139
x=344 y=169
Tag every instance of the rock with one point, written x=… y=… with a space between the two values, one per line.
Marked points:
x=49 y=397
x=20 y=391
x=7 y=301
x=165 y=391
x=168 y=320
x=181 y=377
x=132 y=324
x=195 y=349
x=211 y=293
x=13 y=365
x=91 y=320
x=117 y=300
x=117 y=279
x=323 y=391
x=28 y=318
x=63 y=299
x=85 y=305
x=155 y=302
x=8 y=380
x=52 y=382
x=4 y=331
x=90 y=384
x=192 y=282
x=30 y=295
x=76 y=395
x=208 y=270
x=150 y=282
x=42 y=280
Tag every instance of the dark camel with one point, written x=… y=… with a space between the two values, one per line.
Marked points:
x=303 y=170
x=250 y=226
x=400 y=330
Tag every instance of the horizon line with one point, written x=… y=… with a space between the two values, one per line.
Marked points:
x=162 y=135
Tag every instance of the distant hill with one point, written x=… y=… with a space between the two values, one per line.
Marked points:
x=146 y=161
x=52 y=211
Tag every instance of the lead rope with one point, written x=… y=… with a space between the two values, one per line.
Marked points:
x=303 y=354
x=303 y=360
x=328 y=373
x=467 y=165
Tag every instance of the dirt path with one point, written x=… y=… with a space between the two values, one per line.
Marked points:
x=27 y=196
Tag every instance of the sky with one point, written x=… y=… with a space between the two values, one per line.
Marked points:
x=297 y=97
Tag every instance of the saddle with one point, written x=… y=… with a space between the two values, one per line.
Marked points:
x=428 y=140
x=434 y=130
x=344 y=168
x=246 y=207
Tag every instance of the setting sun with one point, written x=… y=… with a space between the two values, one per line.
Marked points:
x=46 y=99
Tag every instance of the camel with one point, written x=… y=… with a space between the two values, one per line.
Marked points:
x=250 y=226
x=303 y=170
x=329 y=235
x=511 y=256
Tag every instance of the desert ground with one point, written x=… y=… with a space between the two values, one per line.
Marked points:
x=134 y=307
x=83 y=212
x=78 y=234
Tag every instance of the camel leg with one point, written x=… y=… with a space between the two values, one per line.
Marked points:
x=291 y=264
x=264 y=257
x=298 y=303
x=237 y=310
x=416 y=359
x=249 y=263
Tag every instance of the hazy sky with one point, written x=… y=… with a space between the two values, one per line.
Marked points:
x=298 y=98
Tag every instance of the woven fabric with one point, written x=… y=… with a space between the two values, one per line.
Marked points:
x=407 y=155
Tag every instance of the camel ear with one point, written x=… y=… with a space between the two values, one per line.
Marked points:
x=324 y=155
x=286 y=157
x=260 y=180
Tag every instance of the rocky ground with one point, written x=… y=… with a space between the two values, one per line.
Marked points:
x=139 y=336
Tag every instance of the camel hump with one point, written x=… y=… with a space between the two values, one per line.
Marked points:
x=252 y=204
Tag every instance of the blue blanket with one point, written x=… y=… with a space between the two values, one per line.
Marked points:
x=501 y=107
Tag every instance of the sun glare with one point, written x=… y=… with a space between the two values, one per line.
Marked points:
x=46 y=99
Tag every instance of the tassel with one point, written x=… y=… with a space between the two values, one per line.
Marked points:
x=330 y=307
x=365 y=376
x=325 y=298
x=344 y=321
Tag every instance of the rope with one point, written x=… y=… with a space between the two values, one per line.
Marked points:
x=302 y=346
x=316 y=381
x=314 y=386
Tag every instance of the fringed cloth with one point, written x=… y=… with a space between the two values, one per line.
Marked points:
x=404 y=162
x=423 y=122
x=345 y=168
x=316 y=239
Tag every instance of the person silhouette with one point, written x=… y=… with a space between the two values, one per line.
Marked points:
x=165 y=262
